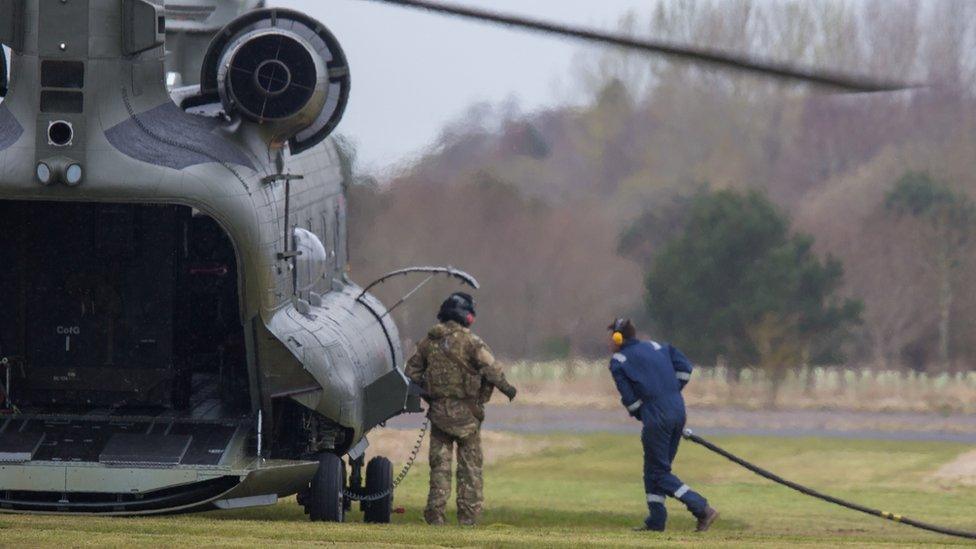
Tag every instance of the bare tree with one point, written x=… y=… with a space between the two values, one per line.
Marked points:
x=950 y=220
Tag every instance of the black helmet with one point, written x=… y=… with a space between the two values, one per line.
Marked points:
x=458 y=307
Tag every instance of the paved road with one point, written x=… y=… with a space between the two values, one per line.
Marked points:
x=792 y=423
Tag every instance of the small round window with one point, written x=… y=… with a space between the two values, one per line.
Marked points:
x=311 y=264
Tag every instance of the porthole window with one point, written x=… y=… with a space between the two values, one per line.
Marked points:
x=312 y=262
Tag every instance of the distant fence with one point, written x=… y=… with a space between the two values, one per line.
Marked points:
x=588 y=383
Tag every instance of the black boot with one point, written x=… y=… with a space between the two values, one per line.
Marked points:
x=706 y=519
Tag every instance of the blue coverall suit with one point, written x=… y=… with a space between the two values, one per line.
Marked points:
x=650 y=377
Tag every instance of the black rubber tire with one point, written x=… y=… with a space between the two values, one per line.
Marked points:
x=325 y=498
x=379 y=478
x=346 y=503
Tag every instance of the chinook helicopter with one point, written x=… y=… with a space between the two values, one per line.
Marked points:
x=179 y=330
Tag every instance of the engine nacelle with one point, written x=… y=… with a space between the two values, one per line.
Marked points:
x=282 y=70
x=274 y=78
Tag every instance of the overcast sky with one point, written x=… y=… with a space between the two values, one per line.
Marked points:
x=413 y=72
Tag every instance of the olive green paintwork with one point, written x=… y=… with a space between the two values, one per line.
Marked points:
x=321 y=347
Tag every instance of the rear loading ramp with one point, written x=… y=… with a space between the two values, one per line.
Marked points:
x=122 y=441
x=93 y=489
x=137 y=466
x=19 y=447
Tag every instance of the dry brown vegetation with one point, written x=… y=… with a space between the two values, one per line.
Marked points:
x=541 y=266
x=397 y=444
x=533 y=204
x=586 y=384
x=959 y=472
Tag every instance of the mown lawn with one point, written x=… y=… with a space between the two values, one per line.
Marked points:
x=591 y=496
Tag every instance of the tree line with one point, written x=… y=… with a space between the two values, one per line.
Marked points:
x=785 y=225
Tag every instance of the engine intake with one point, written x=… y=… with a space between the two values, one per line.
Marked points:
x=273 y=76
x=282 y=70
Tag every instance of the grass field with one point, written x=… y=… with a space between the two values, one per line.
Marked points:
x=588 y=493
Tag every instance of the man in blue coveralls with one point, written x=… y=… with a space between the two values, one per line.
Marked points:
x=650 y=377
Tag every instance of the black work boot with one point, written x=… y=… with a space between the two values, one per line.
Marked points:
x=706 y=519
x=656 y=520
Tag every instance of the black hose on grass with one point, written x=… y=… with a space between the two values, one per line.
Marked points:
x=688 y=434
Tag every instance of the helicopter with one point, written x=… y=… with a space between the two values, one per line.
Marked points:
x=180 y=331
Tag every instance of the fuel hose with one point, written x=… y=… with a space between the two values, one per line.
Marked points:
x=689 y=435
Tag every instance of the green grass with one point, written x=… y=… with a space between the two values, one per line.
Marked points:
x=591 y=497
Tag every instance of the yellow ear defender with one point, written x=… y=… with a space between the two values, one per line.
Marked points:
x=618 y=338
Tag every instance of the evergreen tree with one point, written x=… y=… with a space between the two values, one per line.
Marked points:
x=736 y=285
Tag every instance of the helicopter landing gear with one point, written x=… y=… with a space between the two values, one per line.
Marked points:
x=324 y=500
x=379 y=480
x=376 y=497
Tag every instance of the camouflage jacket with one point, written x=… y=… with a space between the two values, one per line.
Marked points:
x=458 y=373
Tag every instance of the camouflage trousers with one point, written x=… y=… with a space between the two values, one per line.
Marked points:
x=469 y=483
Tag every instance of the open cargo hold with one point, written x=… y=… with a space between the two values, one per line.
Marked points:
x=121 y=325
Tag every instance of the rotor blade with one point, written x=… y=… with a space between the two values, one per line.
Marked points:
x=831 y=79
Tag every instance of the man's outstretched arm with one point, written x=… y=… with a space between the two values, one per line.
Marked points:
x=489 y=368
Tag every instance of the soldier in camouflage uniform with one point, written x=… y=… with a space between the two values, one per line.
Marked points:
x=458 y=374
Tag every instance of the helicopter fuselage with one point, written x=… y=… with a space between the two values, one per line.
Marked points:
x=178 y=327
